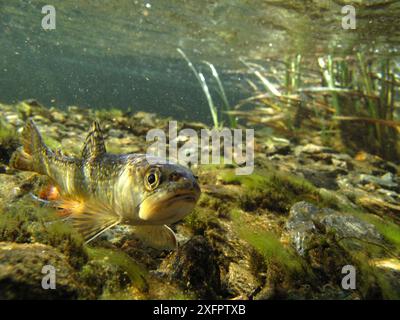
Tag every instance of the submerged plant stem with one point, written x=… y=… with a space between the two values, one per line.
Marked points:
x=199 y=76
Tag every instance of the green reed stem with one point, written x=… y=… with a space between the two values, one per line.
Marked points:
x=221 y=92
x=200 y=77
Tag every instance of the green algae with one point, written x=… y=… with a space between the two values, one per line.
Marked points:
x=27 y=222
x=113 y=148
x=107 y=281
x=23 y=222
x=268 y=245
x=52 y=143
x=275 y=191
x=124 y=294
x=207 y=213
x=62 y=236
x=220 y=207
x=283 y=269
x=24 y=110
x=271 y=249
x=8 y=141
x=180 y=296
x=17 y=219
x=200 y=220
x=14 y=228
x=7 y=132
x=136 y=273
x=220 y=165
x=389 y=230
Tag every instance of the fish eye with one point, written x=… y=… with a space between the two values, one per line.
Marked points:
x=152 y=179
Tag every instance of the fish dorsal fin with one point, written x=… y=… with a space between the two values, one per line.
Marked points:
x=94 y=144
x=89 y=218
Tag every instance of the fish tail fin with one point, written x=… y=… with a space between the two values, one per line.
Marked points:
x=32 y=155
x=21 y=160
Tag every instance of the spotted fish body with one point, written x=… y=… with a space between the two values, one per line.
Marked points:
x=100 y=190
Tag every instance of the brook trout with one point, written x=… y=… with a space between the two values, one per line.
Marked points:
x=100 y=190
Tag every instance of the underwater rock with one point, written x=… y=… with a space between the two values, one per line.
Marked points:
x=195 y=266
x=21 y=273
x=12 y=119
x=278 y=150
x=116 y=133
x=10 y=187
x=104 y=278
x=58 y=116
x=322 y=178
x=390 y=268
x=384 y=165
x=240 y=281
x=29 y=108
x=391 y=195
x=240 y=263
x=347 y=226
x=311 y=149
x=145 y=118
x=306 y=220
x=194 y=125
x=379 y=207
x=222 y=260
x=386 y=181
x=340 y=199
x=300 y=225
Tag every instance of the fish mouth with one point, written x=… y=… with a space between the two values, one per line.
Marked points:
x=169 y=208
x=184 y=196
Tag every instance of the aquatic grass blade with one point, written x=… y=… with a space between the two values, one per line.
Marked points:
x=200 y=77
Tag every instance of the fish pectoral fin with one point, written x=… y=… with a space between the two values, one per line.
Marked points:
x=89 y=218
x=158 y=237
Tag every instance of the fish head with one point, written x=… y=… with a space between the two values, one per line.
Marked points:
x=169 y=193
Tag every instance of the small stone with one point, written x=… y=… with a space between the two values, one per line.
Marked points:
x=322 y=178
x=311 y=149
x=58 y=116
x=240 y=280
x=115 y=133
x=300 y=225
x=386 y=181
x=278 y=150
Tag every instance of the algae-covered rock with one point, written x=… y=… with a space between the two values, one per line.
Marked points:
x=61 y=236
x=110 y=271
x=195 y=266
x=104 y=279
x=306 y=219
x=347 y=226
x=273 y=190
x=240 y=280
x=21 y=273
